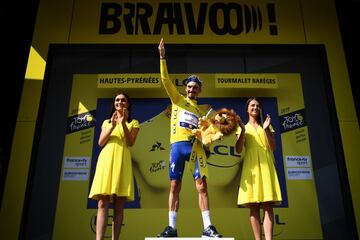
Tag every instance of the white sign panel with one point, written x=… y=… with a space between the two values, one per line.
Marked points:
x=297 y=161
x=76 y=175
x=299 y=173
x=76 y=162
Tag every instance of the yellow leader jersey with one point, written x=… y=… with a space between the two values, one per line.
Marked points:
x=184 y=111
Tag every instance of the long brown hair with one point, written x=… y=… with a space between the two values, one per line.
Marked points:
x=129 y=103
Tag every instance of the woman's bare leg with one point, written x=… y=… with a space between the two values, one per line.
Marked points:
x=118 y=217
x=102 y=216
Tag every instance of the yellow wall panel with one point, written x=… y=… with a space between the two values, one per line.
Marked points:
x=350 y=141
x=15 y=186
x=52 y=24
x=321 y=27
x=30 y=101
x=16 y=179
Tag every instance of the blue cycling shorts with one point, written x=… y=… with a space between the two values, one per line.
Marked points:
x=180 y=152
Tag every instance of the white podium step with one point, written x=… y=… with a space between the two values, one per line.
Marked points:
x=187 y=238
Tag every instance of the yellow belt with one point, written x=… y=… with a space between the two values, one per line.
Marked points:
x=198 y=154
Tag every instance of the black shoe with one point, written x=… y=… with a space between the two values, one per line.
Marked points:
x=210 y=231
x=168 y=232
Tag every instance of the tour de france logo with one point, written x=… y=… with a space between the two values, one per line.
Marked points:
x=80 y=122
x=292 y=120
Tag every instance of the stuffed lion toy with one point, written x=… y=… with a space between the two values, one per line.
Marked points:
x=223 y=123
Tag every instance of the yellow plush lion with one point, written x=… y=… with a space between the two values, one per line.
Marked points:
x=223 y=123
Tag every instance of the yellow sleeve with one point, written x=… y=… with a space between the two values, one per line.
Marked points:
x=105 y=124
x=135 y=123
x=170 y=88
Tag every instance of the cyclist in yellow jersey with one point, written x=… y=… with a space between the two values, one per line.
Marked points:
x=184 y=117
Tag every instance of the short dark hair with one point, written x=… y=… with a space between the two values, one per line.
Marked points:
x=193 y=78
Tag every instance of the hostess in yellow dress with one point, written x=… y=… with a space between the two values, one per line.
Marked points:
x=114 y=173
x=259 y=181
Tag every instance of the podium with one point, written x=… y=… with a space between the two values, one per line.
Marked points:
x=187 y=238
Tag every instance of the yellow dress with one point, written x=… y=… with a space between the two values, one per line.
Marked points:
x=259 y=181
x=114 y=174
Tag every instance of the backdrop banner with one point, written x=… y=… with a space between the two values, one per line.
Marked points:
x=91 y=102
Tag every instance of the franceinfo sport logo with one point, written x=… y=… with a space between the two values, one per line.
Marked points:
x=292 y=121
